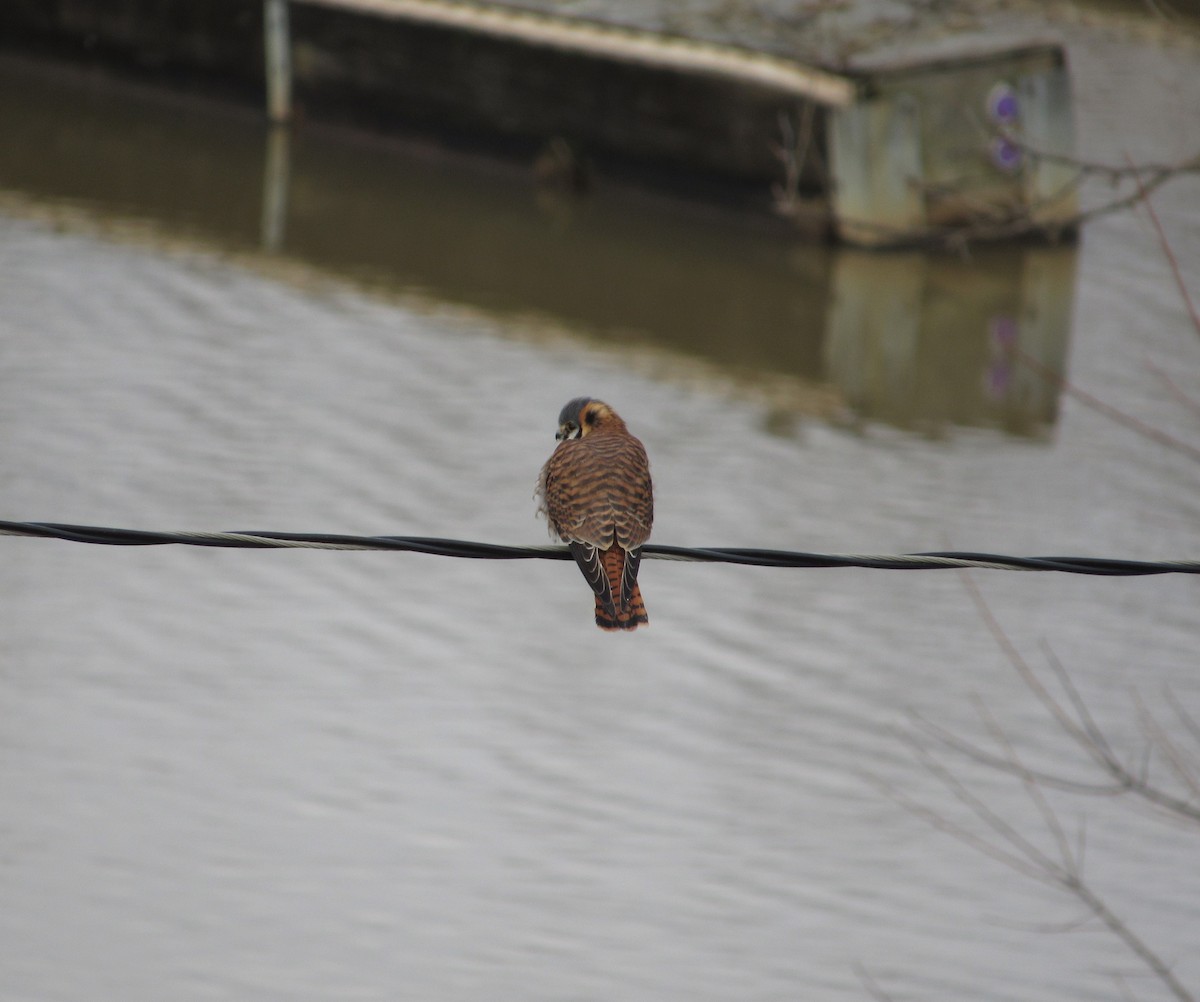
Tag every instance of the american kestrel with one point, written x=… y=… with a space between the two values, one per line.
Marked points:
x=595 y=491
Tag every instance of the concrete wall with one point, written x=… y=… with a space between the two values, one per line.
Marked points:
x=910 y=150
x=390 y=73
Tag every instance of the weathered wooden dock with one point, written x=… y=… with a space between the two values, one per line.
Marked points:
x=969 y=145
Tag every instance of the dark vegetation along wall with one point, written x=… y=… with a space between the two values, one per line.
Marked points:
x=213 y=45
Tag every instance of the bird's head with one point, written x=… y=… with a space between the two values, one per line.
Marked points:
x=582 y=416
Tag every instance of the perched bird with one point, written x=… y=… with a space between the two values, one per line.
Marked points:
x=595 y=492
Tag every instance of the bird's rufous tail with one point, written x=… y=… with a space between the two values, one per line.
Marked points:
x=629 y=617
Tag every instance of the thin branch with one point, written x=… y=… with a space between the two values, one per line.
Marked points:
x=1035 y=793
x=1123 y=932
x=1023 y=857
x=1027 y=674
x=796 y=151
x=1048 y=928
x=1166 y=246
x=871 y=985
x=1143 y=773
x=1096 y=404
x=1183 y=769
x=1081 y=727
x=1185 y=718
x=1188 y=401
x=999 y=763
x=1001 y=841
x=960 y=832
x=1082 y=713
x=1023 y=222
x=1114 y=172
x=1126 y=991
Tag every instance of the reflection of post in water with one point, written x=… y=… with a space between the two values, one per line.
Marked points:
x=276 y=175
x=277 y=58
x=926 y=342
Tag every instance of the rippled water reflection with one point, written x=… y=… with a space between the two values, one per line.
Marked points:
x=314 y=775
x=917 y=341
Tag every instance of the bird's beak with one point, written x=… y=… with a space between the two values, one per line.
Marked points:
x=560 y=435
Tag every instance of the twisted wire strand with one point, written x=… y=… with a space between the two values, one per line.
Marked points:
x=755 y=557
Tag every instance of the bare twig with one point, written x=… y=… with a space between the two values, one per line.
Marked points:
x=1183 y=770
x=1008 y=846
x=1188 y=401
x=969 y=750
x=1080 y=727
x=1135 y=943
x=1095 y=403
x=1028 y=676
x=1166 y=246
x=994 y=850
x=798 y=151
x=1052 y=928
x=1185 y=718
x=871 y=985
x=1094 y=734
x=1035 y=793
x=1022 y=221
x=1112 y=172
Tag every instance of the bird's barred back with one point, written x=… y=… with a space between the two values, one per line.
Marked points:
x=599 y=486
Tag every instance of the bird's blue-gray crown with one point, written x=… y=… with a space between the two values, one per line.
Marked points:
x=571 y=409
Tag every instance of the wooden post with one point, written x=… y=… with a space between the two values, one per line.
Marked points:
x=278 y=60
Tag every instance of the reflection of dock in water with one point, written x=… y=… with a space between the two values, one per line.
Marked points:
x=876 y=153
x=916 y=340
x=933 y=342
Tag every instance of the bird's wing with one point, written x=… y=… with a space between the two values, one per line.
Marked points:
x=589 y=559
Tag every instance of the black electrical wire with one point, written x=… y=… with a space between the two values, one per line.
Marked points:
x=936 y=560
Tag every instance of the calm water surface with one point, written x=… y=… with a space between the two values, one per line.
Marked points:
x=314 y=775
